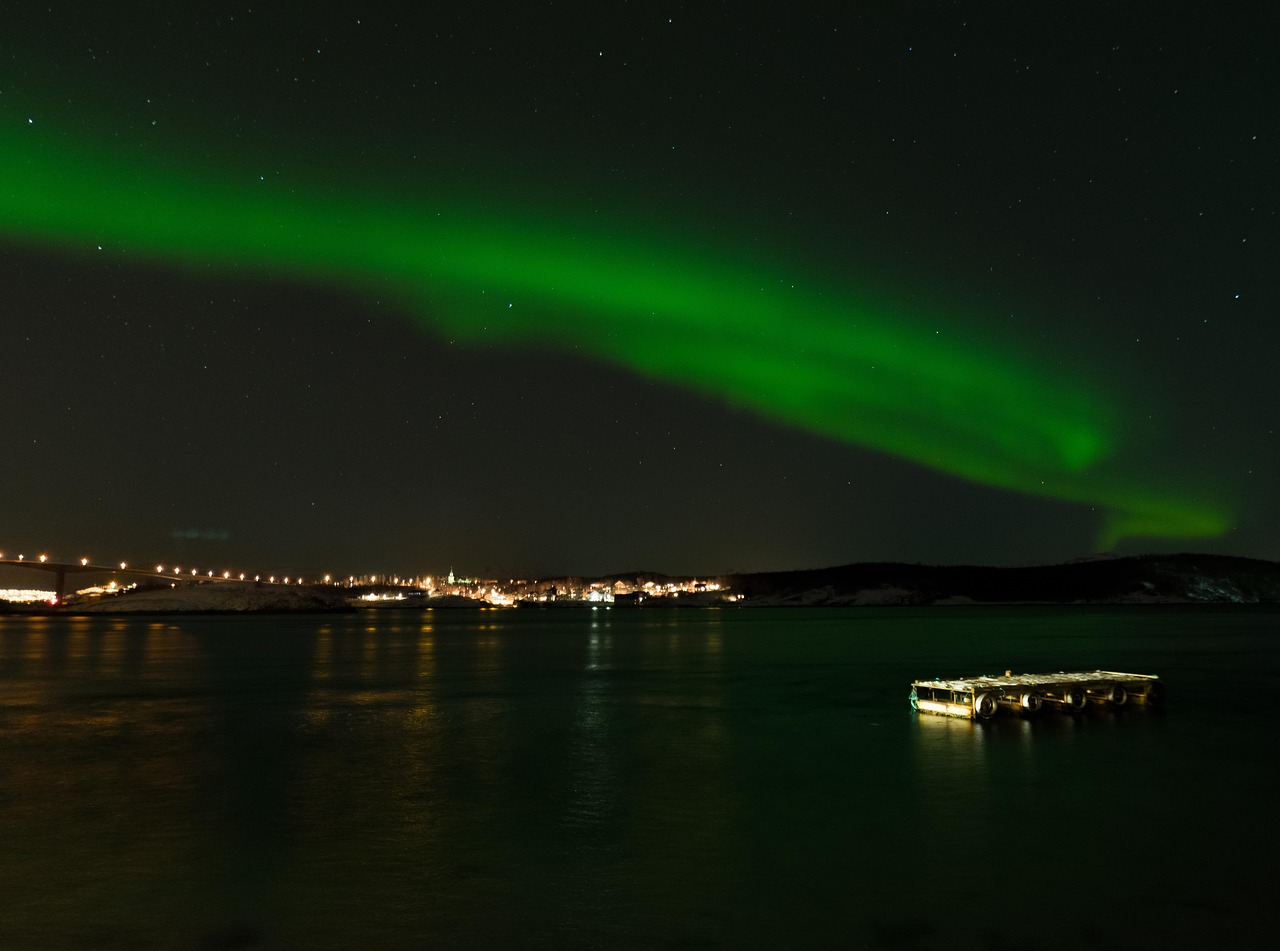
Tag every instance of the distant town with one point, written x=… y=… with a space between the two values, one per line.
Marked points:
x=561 y=590
x=43 y=583
x=81 y=582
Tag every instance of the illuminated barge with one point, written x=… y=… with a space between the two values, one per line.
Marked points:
x=980 y=698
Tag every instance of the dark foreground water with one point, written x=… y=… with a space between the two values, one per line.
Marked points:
x=687 y=780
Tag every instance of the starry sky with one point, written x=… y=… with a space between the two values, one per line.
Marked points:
x=544 y=288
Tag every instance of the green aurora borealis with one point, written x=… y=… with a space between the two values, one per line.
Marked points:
x=797 y=347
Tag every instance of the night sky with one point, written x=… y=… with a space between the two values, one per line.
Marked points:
x=540 y=288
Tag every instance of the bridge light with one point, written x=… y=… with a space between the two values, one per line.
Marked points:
x=226 y=574
x=123 y=566
x=159 y=569
x=84 y=561
x=43 y=559
x=242 y=576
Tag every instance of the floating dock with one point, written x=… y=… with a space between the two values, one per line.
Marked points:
x=981 y=698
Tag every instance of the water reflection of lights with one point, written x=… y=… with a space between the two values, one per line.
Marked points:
x=322 y=661
x=951 y=766
x=938 y=733
x=948 y=734
x=424 y=705
x=595 y=786
x=599 y=646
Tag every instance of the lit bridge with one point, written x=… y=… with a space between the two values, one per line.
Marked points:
x=83 y=566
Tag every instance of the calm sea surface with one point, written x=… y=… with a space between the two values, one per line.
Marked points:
x=631 y=779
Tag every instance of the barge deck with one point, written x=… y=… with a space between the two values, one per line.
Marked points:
x=980 y=698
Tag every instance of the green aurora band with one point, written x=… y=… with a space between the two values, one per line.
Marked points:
x=689 y=313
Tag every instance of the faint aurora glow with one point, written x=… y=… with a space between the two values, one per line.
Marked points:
x=674 y=309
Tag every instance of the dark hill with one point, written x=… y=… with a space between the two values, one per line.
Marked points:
x=1145 y=578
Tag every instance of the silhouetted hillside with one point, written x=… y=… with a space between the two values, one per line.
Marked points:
x=1146 y=578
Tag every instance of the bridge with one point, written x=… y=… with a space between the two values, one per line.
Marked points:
x=173 y=573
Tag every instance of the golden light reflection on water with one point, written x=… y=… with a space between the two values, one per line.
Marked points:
x=951 y=771
x=76 y=647
x=714 y=727
x=316 y=712
x=364 y=675
x=93 y=728
x=424 y=676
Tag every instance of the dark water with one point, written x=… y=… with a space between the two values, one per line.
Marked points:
x=686 y=780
